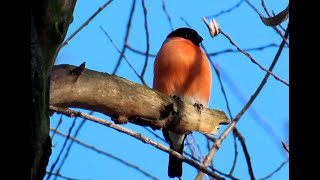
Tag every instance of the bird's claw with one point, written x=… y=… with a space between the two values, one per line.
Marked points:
x=199 y=107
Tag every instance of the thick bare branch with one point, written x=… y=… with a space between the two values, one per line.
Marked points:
x=126 y=101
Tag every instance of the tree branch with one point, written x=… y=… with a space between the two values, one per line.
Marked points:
x=126 y=101
x=103 y=152
x=49 y=24
x=232 y=125
x=136 y=135
x=276 y=170
x=126 y=39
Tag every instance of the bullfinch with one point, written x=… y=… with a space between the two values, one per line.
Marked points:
x=182 y=69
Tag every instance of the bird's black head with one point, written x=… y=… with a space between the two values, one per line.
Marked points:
x=187 y=33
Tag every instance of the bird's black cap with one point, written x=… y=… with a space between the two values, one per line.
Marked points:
x=187 y=33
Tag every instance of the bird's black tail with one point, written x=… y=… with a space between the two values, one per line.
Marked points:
x=175 y=164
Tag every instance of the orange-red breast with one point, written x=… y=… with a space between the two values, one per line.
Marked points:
x=182 y=69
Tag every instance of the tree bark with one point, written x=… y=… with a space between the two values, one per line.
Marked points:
x=125 y=101
x=49 y=23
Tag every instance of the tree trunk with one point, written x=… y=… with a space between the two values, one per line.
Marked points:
x=49 y=23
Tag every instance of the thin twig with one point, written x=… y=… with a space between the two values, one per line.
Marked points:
x=126 y=39
x=232 y=125
x=58 y=125
x=167 y=14
x=213 y=139
x=276 y=170
x=147 y=39
x=192 y=149
x=105 y=32
x=156 y=135
x=213 y=53
x=198 y=146
x=70 y=145
x=105 y=153
x=253 y=60
x=136 y=135
x=227 y=103
x=85 y=24
x=255 y=114
x=208 y=148
x=235 y=153
x=140 y=52
x=249 y=49
x=245 y=150
x=224 y=174
x=285 y=147
x=62 y=176
x=185 y=21
x=225 y=11
x=63 y=147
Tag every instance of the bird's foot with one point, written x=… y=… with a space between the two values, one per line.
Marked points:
x=176 y=97
x=199 y=107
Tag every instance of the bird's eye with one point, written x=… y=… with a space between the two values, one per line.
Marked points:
x=186 y=35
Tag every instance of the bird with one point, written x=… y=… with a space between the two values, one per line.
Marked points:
x=181 y=69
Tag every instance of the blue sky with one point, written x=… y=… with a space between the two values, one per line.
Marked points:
x=241 y=77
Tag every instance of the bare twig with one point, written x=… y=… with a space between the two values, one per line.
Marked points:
x=201 y=155
x=248 y=49
x=253 y=60
x=213 y=53
x=58 y=125
x=140 y=52
x=185 y=21
x=167 y=14
x=84 y=24
x=126 y=38
x=63 y=146
x=232 y=125
x=245 y=150
x=105 y=153
x=285 y=147
x=123 y=55
x=235 y=153
x=147 y=39
x=62 y=176
x=225 y=11
x=255 y=114
x=70 y=145
x=156 y=135
x=276 y=170
x=192 y=149
x=224 y=174
x=213 y=139
x=136 y=135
